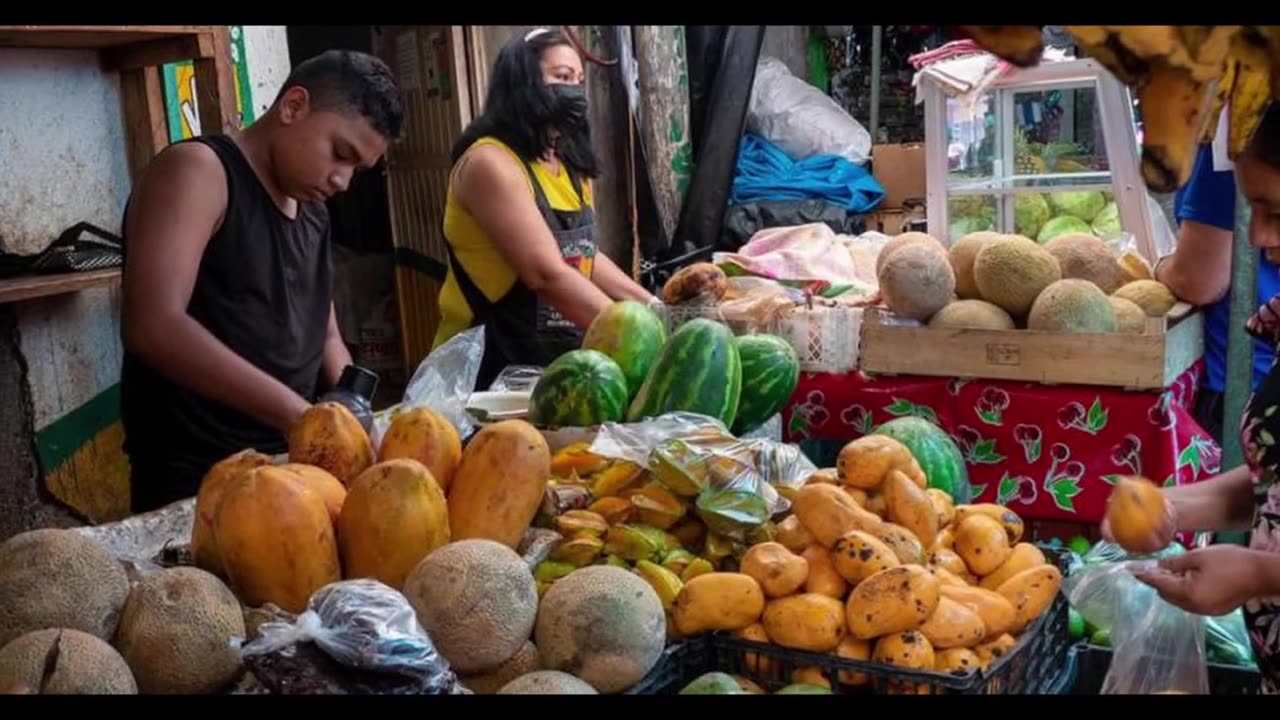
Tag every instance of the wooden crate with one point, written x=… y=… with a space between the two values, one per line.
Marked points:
x=1148 y=361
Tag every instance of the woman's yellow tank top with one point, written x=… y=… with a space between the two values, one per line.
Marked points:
x=477 y=254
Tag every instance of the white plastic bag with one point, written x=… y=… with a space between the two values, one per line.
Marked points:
x=443 y=382
x=1159 y=648
x=801 y=119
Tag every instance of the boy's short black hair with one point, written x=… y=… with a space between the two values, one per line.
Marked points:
x=1264 y=145
x=355 y=82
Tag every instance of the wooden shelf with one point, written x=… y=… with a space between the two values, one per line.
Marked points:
x=37 y=286
x=91 y=36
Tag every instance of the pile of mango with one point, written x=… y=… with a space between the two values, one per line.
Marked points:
x=910 y=581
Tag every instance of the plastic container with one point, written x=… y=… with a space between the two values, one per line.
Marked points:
x=1093 y=661
x=681 y=663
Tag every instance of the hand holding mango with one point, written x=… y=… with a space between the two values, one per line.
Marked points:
x=1139 y=518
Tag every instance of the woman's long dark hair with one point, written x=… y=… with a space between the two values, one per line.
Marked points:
x=520 y=110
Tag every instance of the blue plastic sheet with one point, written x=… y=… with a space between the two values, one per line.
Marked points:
x=765 y=172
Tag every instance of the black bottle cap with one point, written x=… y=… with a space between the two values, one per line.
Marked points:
x=361 y=381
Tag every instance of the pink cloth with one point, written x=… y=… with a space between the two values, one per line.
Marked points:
x=953 y=49
x=800 y=253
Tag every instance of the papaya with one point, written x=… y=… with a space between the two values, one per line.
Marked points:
x=276 y=539
x=426 y=436
x=203 y=547
x=329 y=436
x=322 y=481
x=394 y=516
x=499 y=483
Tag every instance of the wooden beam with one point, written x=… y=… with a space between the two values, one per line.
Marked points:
x=35 y=286
x=158 y=52
x=145 y=122
x=90 y=36
x=216 y=86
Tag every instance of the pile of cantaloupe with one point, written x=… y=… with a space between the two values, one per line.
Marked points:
x=993 y=281
x=916 y=583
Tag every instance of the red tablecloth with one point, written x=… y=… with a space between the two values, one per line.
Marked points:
x=1050 y=452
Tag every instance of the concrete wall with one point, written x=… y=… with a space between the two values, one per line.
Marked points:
x=62 y=149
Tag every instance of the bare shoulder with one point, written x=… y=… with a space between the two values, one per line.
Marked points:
x=488 y=169
x=190 y=173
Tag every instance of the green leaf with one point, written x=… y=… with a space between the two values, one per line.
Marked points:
x=1065 y=488
x=984 y=453
x=993 y=417
x=977 y=490
x=1171 y=480
x=1033 y=452
x=1007 y=490
x=798 y=425
x=900 y=407
x=1190 y=455
x=1110 y=479
x=1097 y=415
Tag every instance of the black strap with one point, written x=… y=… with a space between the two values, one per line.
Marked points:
x=69 y=253
x=479 y=304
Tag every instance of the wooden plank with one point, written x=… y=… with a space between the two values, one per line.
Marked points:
x=158 y=52
x=1142 y=361
x=36 y=286
x=145 y=123
x=90 y=36
x=215 y=86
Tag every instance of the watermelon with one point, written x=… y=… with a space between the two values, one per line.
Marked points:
x=770 y=373
x=937 y=453
x=581 y=388
x=698 y=371
x=632 y=334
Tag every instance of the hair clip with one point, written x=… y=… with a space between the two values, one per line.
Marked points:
x=535 y=33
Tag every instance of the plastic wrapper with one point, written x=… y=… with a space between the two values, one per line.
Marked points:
x=517 y=378
x=149 y=542
x=365 y=625
x=1226 y=636
x=443 y=382
x=731 y=483
x=1158 y=647
x=801 y=119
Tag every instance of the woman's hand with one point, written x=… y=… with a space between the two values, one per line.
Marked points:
x=1161 y=536
x=1211 y=581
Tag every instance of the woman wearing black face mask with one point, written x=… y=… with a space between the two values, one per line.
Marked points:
x=519 y=223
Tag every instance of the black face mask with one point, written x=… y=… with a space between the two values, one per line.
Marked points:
x=570 y=104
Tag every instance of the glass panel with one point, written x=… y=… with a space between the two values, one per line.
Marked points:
x=972 y=145
x=1040 y=216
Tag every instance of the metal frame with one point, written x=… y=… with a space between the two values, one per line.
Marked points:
x=1118 y=132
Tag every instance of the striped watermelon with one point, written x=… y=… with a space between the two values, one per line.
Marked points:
x=632 y=334
x=698 y=371
x=581 y=388
x=939 y=456
x=770 y=372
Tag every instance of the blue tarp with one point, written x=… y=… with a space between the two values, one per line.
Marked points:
x=765 y=172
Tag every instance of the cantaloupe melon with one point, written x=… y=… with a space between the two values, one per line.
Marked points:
x=59 y=578
x=1134 y=267
x=1012 y=272
x=203 y=546
x=917 y=281
x=85 y=664
x=525 y=661
x=547 y=682
x=477 y=599
x=1072 y=306
x=426 y=436
x=603 y=624
x=963 y=252
x=394 y=516
x=907 y=239
x=1085 y=257
x=176 y=633
x=1152 y=296
x=1129 y=317
x=978 y=314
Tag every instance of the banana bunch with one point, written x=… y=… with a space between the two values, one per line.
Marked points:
x=1183 y=76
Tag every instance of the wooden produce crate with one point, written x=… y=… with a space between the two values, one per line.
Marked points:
x=1151 y=360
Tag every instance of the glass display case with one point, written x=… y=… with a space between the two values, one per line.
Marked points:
x=1045 y=151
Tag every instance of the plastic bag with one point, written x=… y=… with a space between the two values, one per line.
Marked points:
x=443 y=382
x=1158 y=647
x=801 y=119
x=362 y=624
x=516 y=378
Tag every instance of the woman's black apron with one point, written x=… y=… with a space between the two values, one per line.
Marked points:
x=520 y=327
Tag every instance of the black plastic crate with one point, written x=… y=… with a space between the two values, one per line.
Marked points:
x=1035 y=665
x=1093 y=661
x=681 y=663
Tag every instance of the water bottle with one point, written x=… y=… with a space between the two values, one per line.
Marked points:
x=354 y=391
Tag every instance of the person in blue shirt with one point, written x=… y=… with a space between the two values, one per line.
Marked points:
x=1199 y=272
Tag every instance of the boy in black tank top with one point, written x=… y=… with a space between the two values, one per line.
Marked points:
x=228 y=321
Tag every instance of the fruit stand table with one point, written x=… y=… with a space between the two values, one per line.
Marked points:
x=1048 y=452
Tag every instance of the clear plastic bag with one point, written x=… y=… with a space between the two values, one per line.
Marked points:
x=366 y=625
x=516 y=378
x=800 y=119
x=1158 y=647
x=443 y=382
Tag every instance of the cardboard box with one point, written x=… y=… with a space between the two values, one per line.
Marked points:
x=893 y=221
x=900 y=171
